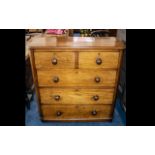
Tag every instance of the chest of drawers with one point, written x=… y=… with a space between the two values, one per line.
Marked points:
x=76 y=78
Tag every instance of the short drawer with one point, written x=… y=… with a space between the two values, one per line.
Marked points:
x=76 y=77
x=98 y=59
x=76 y=112
x=76 y=96
x=44 y=60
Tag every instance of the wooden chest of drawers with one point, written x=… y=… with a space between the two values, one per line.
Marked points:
x=76 y=78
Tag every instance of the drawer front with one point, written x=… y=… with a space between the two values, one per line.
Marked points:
x=76 y=77
x=98 y=59
x=76 y=96
x=54 y=60
x=76 y=112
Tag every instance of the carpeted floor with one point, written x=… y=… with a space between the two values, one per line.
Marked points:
x=32 y=118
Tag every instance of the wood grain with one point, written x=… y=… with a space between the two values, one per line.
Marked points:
x=117 y=77
x=43 y=60
x=88 y=59
x=35 y=79
x=76 y=77
x=43 y=42
x=76 y=69
x=76 y=96
x=76 y=112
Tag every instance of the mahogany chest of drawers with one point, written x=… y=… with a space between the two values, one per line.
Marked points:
x=76 y=78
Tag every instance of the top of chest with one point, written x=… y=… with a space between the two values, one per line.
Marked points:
x=105 y=43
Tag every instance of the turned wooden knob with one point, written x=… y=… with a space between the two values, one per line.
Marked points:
x=54 y=61
x=59 y=113
x=55 y=79
x=97 y=79
x=94 y=112
x=96 y=97
x=57 y=97
x=98 y=61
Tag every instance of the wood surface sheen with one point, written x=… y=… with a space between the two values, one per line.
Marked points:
x=76 y=77
x=76 y=112
x=64 y=60
x=43 y=60
x=76 y=69
x=76 y=96
x=88 y=60
x=104 y=43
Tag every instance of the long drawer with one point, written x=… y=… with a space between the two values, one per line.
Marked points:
x=76 y=96
x=76 y=112
x=76 y=77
